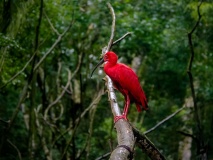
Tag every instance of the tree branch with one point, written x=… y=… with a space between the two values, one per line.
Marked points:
x=19 y=72
x=103 y=156
x=59 y=97
x=147 y=146
x=112 y=29
x=14 y=146
x=53 y=28
x=120 y=39
x=164 y=120
x=199 y=133
x=196 y=114
x=54 y=45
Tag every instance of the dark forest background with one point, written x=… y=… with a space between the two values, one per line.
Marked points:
x=50 y=108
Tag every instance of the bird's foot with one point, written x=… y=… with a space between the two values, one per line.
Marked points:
x=116 y=118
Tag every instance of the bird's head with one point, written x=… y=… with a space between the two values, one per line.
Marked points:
x=109 y=57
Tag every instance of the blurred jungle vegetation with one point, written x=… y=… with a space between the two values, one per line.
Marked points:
x=50 y=108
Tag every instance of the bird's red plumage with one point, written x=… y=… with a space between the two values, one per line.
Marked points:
x=125 y=80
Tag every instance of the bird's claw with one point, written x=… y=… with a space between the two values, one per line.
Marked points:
x=116 y=118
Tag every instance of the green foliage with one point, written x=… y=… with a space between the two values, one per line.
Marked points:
x=159 y=36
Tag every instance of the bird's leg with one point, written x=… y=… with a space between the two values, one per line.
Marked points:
x=126 y=108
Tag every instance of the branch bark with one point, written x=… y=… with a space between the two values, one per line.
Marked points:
x=147 y=146
x=125 y=135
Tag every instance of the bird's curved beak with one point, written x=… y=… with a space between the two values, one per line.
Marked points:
x=101 y=62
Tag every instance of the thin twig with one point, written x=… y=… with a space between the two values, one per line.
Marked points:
x=120 y=39
x=14 y=146
x=59 y=97
x=67 y=90
x=4 y=122
x=112 y=29
x=147 y=146
x=103 y=156
x=188 y=135
x=19 y=72
x=54 y=45
x=164 y=120
x=191 y=136
x=197 y=118
x=53 y=28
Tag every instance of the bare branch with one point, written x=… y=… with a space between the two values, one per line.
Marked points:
x=59 y=97
x=19 y=72
x=124 y=130
x=112 y=97
x=53 y=28
x=14 y=146
x=103 y=156
x=164 y=120
x=4 y=122
x=188 y=135
x=113 y=27
x=54 y=45
x=120 y=39
x=190 y=67
x=147 y=146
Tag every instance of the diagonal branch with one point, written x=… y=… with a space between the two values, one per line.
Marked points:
x=54 y=45
x=164 y=120
x=53 y=28
x=19 y=72
x=124 y=36
x=147 y=146
x=14 y=146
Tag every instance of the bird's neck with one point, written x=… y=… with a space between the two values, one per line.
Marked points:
x=108 y=66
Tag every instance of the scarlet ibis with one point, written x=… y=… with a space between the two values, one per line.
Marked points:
x=126 y=81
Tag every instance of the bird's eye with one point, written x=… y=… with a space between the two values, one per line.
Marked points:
x=105 y=57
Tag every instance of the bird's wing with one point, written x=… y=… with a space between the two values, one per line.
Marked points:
x=128 y=80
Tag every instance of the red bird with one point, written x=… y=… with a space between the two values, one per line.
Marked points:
x=126 y=81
